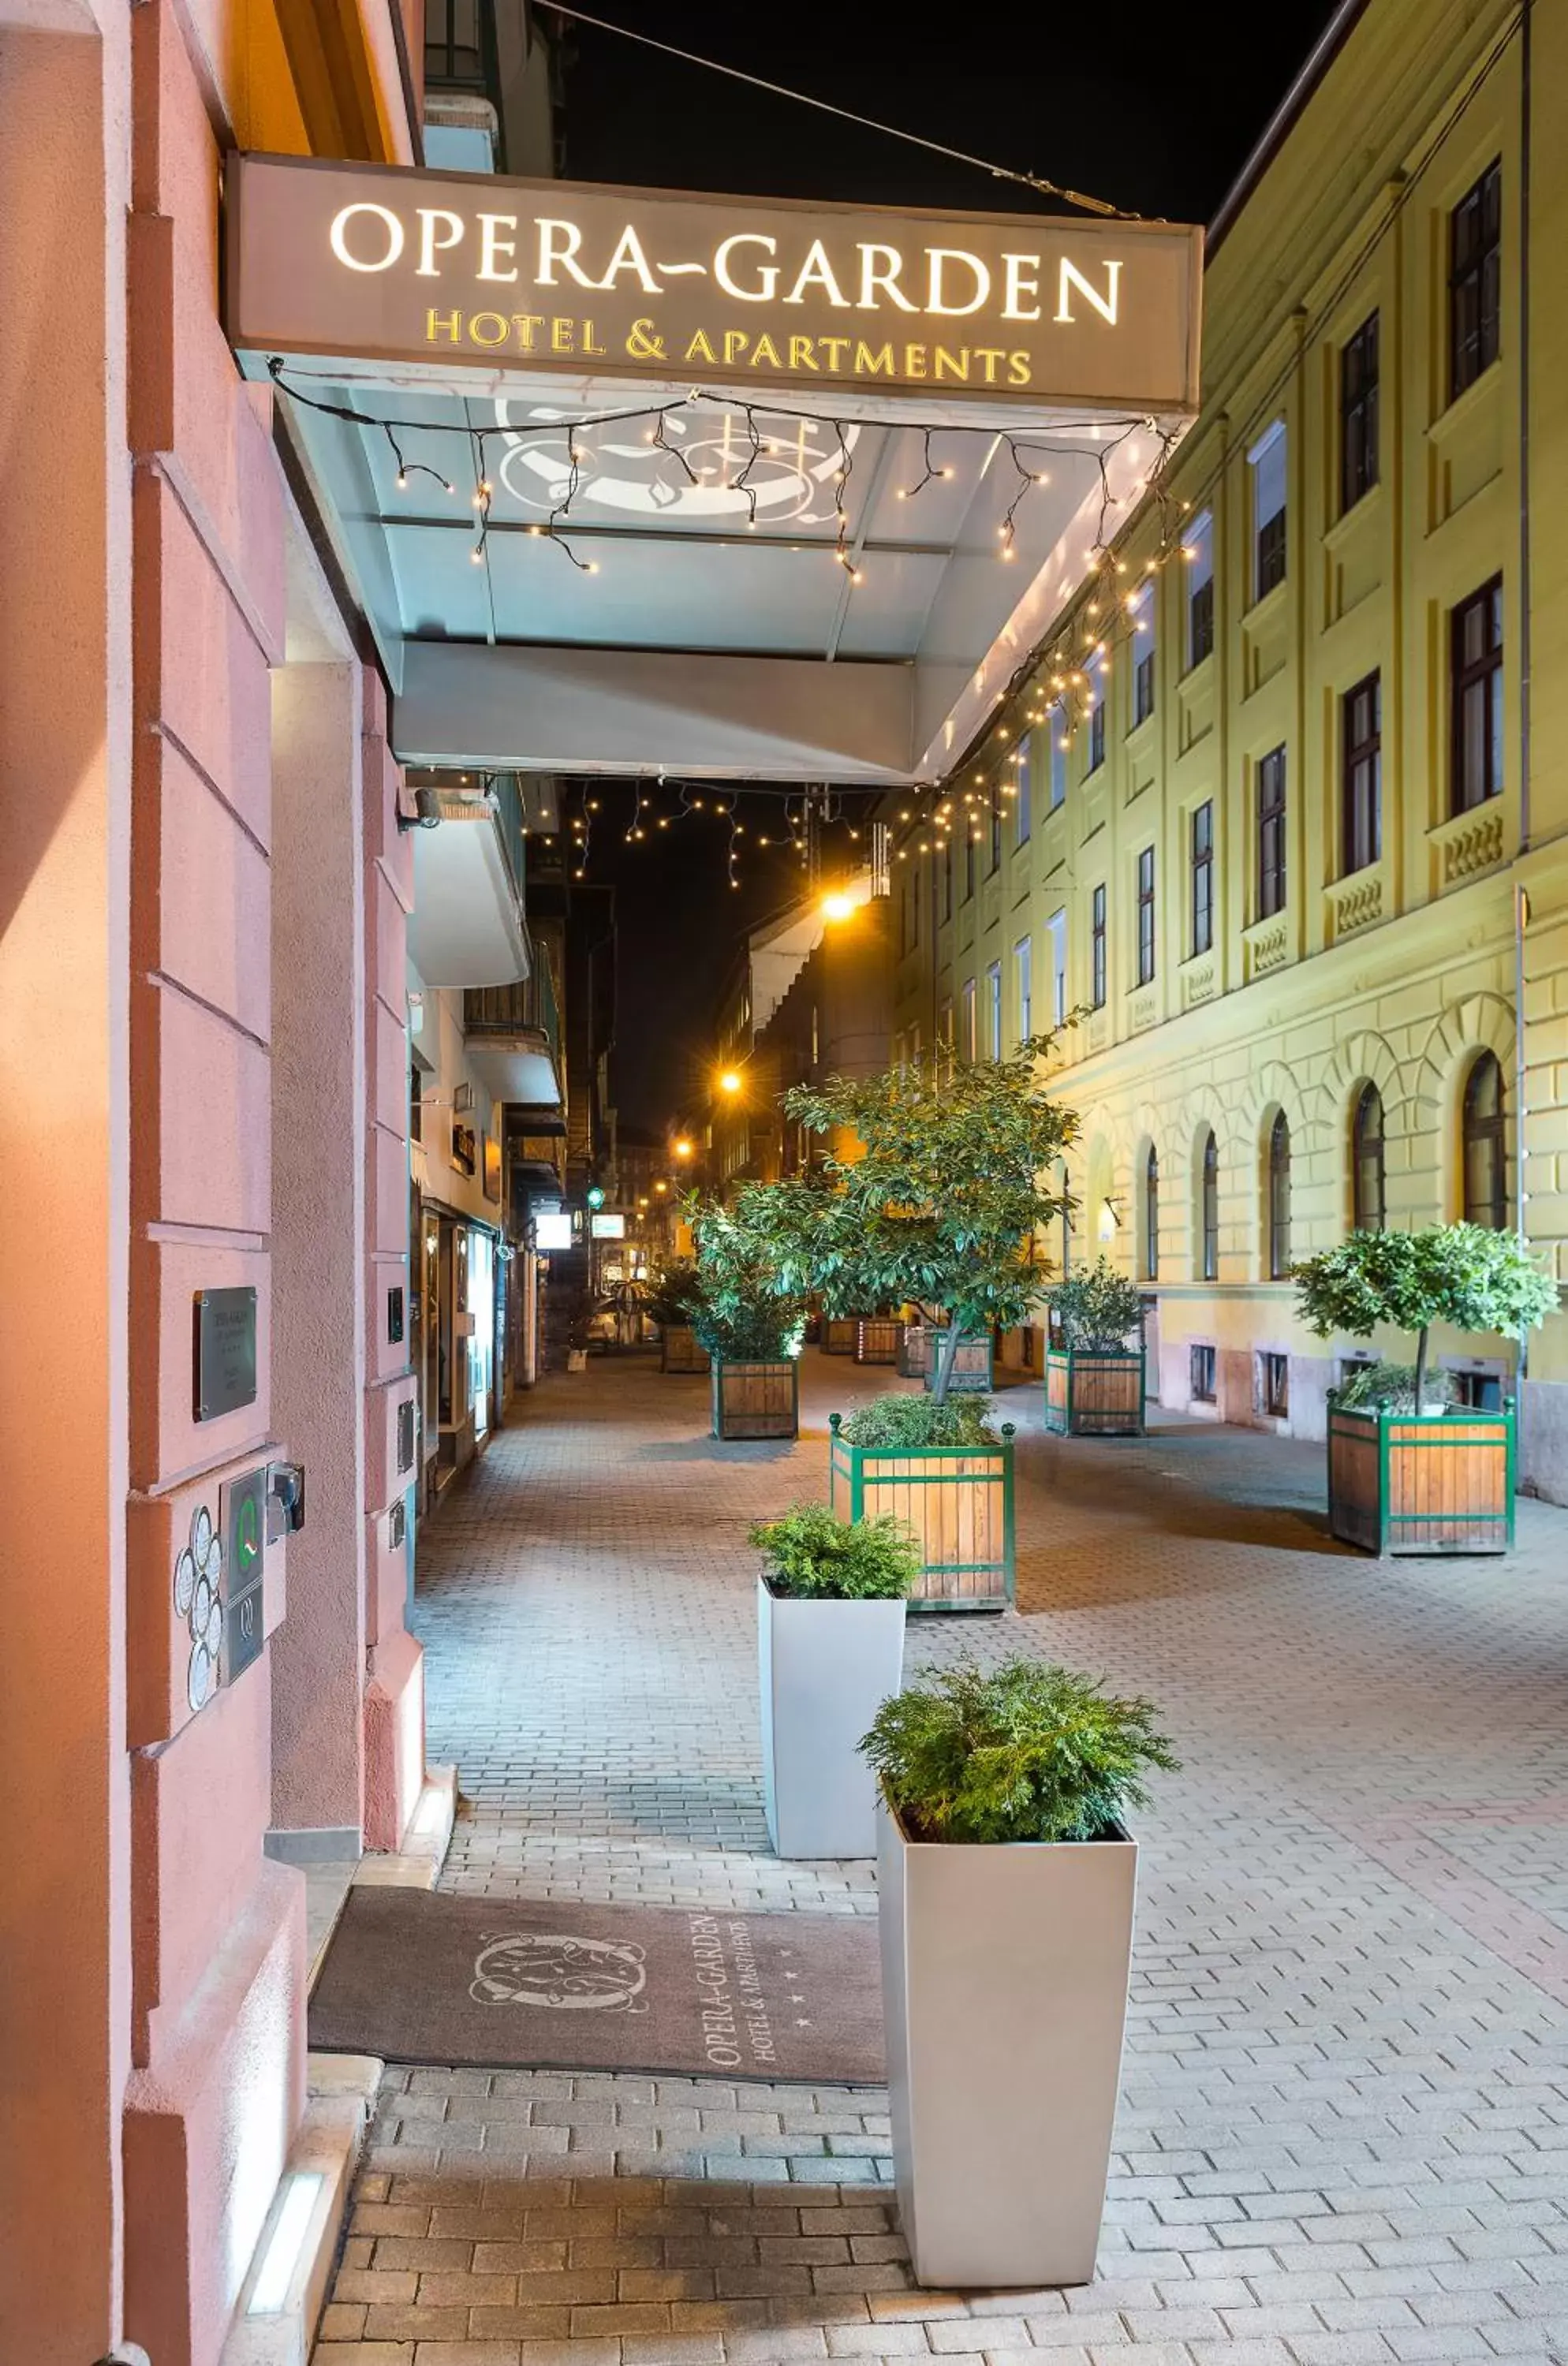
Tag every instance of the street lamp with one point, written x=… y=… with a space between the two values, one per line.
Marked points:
x=729 y=1081
x=837 y=906
x=683 y=1148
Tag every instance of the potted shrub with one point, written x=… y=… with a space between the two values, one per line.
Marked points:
x=677 y=1289
x=946 y=1474
x=1094 y=1381
x=748 y=1320
x=1006 y=1879
x=1407 y=1472
x=829 y=1648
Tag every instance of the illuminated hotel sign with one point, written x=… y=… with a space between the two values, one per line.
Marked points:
x=451 y=269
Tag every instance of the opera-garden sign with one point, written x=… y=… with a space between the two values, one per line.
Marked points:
x=461 y=272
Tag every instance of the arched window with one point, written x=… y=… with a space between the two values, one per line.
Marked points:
x=1366 y=1162
x=1279 y=1198
x=1151 y=1215
x=1211 y=1208
x=1485 y=1168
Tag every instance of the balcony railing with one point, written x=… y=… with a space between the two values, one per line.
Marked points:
x=527 y=1008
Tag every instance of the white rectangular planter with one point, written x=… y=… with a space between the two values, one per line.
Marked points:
x=1004 y=1983
x=826 y=1669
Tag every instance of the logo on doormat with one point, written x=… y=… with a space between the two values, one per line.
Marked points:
x=567 y=1974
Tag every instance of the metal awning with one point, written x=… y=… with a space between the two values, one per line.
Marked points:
x=727 y=577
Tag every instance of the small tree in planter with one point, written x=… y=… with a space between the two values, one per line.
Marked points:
x=1407 y=1473
x=937 y=1200
x=748 y=1318
x=830 y=1647
x=1006 y=1879
x=1094 y=1381
x=672 y=1302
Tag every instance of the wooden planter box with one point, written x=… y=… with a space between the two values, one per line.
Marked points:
x=839 y=1332
x=1422 y=1482
x=1093 y=1394
x=679 y=1351
x=915 y=1352
x=973 y=1372
x=878 y=1339
x=756 y=1400
x=957 y=1500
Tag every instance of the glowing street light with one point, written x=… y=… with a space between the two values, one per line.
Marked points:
x=838 y=905
x=729 y=1082
x=683 y=1148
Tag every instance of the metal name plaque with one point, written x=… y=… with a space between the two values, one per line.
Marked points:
x=225 y=1351
x=474 y=272
x=243 y=1514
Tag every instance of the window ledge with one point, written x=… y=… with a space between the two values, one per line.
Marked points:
x=1360 y=900
x=1189 y=680
x=1352 y=521
x=1266 y=944
x=1477 y=394
x=1467 y=844
x=1263 y=608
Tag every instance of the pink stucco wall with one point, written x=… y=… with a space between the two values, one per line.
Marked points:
x=152 y=1956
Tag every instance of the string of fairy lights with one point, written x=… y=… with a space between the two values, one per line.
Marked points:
x=1099 y=443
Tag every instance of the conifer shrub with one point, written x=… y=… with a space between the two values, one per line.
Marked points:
x=809 y=1556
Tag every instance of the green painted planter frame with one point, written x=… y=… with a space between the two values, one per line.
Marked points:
x=962 y=1383
x=852 y=1469
x=733 y=1427
x=1377 y=1526
x=1072 y=1418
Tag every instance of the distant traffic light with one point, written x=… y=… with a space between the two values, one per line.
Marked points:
x=595 y=1196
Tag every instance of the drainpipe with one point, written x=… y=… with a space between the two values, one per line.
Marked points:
x=1521 y=899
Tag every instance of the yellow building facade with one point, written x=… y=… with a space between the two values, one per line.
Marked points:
x=1284 y=815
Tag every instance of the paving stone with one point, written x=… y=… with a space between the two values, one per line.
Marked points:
x=1344 y=2123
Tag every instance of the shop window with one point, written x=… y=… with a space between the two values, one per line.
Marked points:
x=1151 y=1215
x=1359 y=414
x=1097 y=950
x=1476 y=690
x=1274 y=1385
x=1485 y=1164
x=1203 y=869
x=1024 y=790
x=1361 y=778
x=1475 y=280
x=1367 y=1179
x=1209 y=1208
x=1269 y=789
x=1201 y=1369
x=1279 y=1198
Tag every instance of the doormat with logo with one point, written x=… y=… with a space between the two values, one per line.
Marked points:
x=418 y=1975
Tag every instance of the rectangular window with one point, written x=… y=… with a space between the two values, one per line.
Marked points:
x=1359 y=414
x=1479 y=1391
x=969 y=830
x=1475 y=280
x=1361 y=784
x=1202 y=1371
x=1097 y=950
x=1199 y=553
x=1266 y=467
x=904 y=913
x=1274 y=1385
x=944 y=1036
x=1024 y=790
x=1023 y=988
x=916 y=890
x=1058 y=762
x=971 y=1040
x=1270 y=789
x=994 y=865
x=994 y=1011
x=1096 y=716
x=1476 y=689
x=1202 y=856
x=1142 y=608
x=1057 y=925
x=947 y=877
x=1145 y=915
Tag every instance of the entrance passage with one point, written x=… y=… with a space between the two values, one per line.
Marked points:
x=1353 y=1878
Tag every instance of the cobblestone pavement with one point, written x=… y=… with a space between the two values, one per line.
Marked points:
x=1343 y=2126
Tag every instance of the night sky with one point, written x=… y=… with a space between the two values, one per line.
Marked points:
x=1154 y=108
